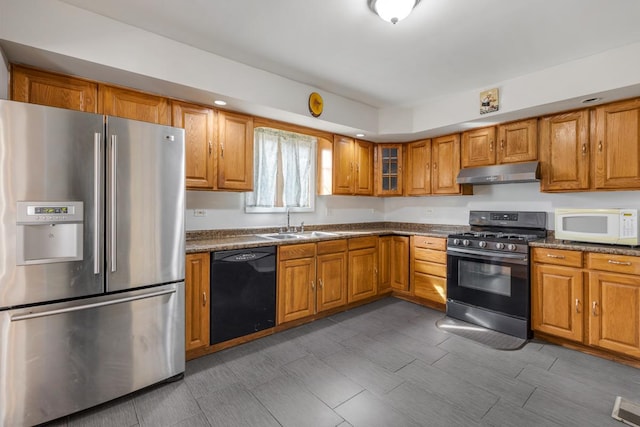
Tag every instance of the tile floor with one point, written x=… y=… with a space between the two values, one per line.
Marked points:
x=383 y=364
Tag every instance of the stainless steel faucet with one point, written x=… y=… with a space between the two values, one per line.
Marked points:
x=288 y=221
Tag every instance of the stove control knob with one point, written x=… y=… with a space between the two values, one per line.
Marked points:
x=466 y=242
x=500 y=245
x=482 y=244
x=456 y=241
x=511 y=247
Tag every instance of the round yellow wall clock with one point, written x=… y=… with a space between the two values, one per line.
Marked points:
x=315 y=104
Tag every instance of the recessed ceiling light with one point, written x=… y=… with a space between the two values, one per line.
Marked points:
x=590 y=100
x=219 y=102
x=359 y=135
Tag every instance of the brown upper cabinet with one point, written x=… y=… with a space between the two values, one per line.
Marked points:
x=479 y=147
x=388 y=170
x=352 y=166
x=198 y=123
x=564 y=151
x=235 y=151
x=55 y=90
x=518 y=142
x=617 y=146
x=433 y=165
x=131 y=104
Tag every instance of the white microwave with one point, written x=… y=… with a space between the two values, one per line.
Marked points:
x=613 y=226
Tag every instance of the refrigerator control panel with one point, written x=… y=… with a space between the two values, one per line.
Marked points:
x=48 y=232
x=38 y=212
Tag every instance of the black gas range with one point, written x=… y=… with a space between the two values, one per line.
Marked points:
x=488 y=270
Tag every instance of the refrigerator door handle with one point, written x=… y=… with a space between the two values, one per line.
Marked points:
x=114 y=158
x=90 y=306
x=96 y=202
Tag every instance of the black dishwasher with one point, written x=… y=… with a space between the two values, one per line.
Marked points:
x=243 y=292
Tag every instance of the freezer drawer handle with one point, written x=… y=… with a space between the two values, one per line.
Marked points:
x=90 y=306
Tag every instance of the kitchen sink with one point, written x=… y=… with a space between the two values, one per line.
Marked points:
x=296 y=236
x=282 y=236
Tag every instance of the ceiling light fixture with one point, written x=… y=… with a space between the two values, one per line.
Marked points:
x=219 y=102
x=392 y=11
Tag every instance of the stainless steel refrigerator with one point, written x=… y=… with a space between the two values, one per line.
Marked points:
x=91 y=259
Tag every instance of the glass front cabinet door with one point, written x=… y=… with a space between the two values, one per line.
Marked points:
x=388 y=169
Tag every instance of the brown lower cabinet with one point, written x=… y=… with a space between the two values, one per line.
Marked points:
x=393 y=261
x=429 y=269
x=590 y=298
x=363 y=268
x=197 y=307
x=311 y=278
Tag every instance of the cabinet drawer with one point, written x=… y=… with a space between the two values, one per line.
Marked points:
x=430 y=268
x=557 y=257
x=615 y=263
x=363 y=242
x=437 y=243
x=431 y=255
x=332 y=246
x=430 y=287
x=303 y=250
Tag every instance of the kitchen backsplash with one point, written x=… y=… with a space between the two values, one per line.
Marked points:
x=226 y=210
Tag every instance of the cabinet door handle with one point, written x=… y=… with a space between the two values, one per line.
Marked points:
x=584 y=149
x=204 y=299
x=555 y=256
x=320 y=282
x=313 y=285
x=594 y=307
x=577 y=305
x=222 y=150
x=501 y=144
x=600 y=146
x=613 y=261
x=435 y=166
x=210 y=147
x=491 y=146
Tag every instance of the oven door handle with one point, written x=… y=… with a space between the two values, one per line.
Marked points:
x=519 y=258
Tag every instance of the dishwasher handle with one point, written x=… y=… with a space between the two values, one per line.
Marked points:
x=242 y=255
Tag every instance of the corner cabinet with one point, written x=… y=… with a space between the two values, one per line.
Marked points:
x=617 y=146
x=352 y=166
x=55 y=90
x=388 y=170
x=197 y=267
x=198 y=123
x=131 y=104
x=564 y=152
x=235 y=152
x=557 y=294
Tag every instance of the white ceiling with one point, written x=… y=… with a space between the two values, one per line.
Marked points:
x=340 y=46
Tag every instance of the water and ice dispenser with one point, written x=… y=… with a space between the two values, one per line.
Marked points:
x=49 y=232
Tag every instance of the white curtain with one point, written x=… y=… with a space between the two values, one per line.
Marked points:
x=294 y=154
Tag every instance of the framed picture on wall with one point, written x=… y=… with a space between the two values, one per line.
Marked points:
x=489 y=101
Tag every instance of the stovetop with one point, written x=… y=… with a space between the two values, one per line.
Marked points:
x=500 y=231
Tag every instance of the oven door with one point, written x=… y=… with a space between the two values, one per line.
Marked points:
x=495 y=282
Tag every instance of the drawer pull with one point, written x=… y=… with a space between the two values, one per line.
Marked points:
x=594 y=308
x=555 y=256
x=613 y=261
x=577 y=305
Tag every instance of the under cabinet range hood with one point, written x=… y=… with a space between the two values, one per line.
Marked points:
x=500 y=174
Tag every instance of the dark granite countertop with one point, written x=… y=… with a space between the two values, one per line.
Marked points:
x=218 y=240
x=553 y=243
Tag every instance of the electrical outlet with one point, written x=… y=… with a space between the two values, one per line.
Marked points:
x=199 y=212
